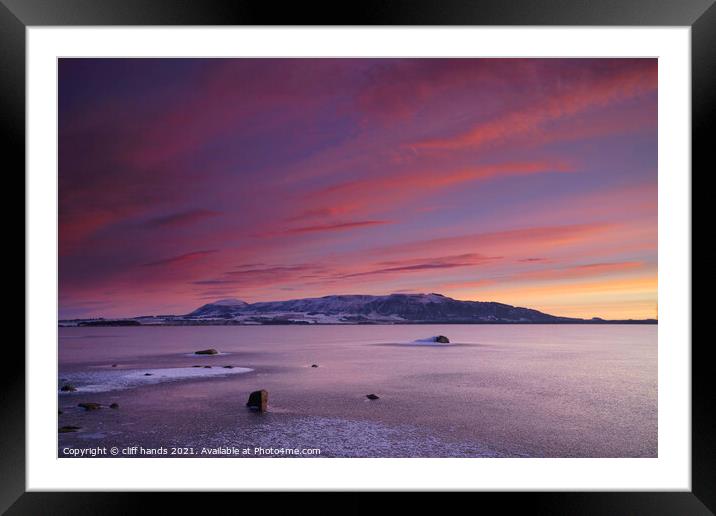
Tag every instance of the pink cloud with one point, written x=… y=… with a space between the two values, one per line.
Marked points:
x=339 y=226
x=181 y=259
x=381 y=191
x=180 y=219
x=579 y=271
x=426 y=264
x=573 y=100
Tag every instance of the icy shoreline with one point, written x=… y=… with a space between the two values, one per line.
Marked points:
x=105 y=381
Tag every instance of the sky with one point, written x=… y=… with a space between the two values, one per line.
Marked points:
x=531 y=182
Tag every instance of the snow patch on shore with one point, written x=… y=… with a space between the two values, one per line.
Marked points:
x=430 y=341
x=105 y=381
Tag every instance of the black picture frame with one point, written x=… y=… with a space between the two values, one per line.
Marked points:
x=700 y=15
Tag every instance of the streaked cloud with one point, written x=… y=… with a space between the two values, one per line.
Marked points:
x=181 y=218
x=180 y=259
x=426 y=264
x=528 y=181
x=337 y=226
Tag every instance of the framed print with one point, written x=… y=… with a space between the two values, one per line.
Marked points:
x=409 y=249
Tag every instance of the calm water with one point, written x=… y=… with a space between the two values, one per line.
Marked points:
x=495 y=391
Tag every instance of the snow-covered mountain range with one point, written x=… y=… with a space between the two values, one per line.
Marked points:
x=351 y=309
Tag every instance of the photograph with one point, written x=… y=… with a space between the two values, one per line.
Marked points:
x=357 y=257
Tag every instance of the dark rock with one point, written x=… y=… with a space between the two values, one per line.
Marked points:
x=372 y=397
x=258 y=400
x=89 y=406
x=114 y=405
x=114 y=365
x=197 y=366
x=207 y=367
x=68 y=428
x=228 y=367
x=147 y=374
x=206 y=352
x=68 y=388
x=314 y=365
x=442 y=339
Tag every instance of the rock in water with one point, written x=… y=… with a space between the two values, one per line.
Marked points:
x=114 y=405
x=372 y=397
x=314 y=365
x=68 y=388
x=211 y=351
x=68 y=428
x=258 y=400
x=89 y=406
x=442 y=339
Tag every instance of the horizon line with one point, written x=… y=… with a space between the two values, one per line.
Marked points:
x=361 y=295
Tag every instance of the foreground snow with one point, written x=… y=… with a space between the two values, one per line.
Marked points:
x=118 y=379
